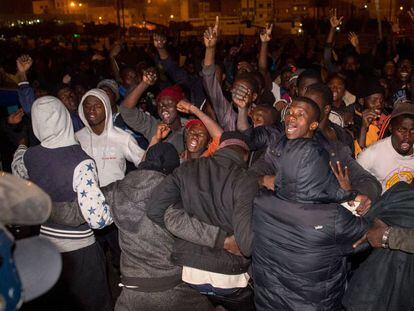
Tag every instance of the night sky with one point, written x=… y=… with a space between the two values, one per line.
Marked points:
x=15 y=7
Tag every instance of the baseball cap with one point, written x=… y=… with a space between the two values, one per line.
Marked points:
x=403 y=108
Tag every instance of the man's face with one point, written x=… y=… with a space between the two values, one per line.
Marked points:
x=129 y=78
x=402 y=137
x=68 y=97
x=299 y=121
x=167 y=109
x=404 y=70
x=351 y=64
x=375 y=102
x=94 y=110
x=197 y=138
x=261 y=116
x=284 y=79
x=337 y=87
x=389 y=69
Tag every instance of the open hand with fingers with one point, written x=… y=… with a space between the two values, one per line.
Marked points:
x=334 y=20
x=341 y=175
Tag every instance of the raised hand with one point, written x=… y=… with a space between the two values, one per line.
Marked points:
x=334 y=20
x=149 y=76
x=241 y=96
x=211 y=35
x=266 y=34
x=162 y=131
x=353 y=38
x=116 y=49
x=16 y=117
x=160 y=41
x=184 y=106
x=24 y=63
x=395 y=25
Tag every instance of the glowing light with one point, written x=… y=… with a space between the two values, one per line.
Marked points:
x=172 y=16
x=72 y=4
x=100 y=18
x=300 y=30
x=365 y=6
x=401 y=8
x=338 y=28
x=80 y=4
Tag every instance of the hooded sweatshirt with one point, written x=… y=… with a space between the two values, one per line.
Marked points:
x=112 y=147
x=65 y=172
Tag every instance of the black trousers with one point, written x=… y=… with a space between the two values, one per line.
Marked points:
x=240 y=300
x=82 y=285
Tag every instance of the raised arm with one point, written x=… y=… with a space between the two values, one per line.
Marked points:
x=112 y=60
x=24 y=91
x=334 y=22
x=212 y=126
x=265 y=37
x=149 y=78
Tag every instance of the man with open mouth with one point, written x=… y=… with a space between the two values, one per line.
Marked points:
x=391 y=159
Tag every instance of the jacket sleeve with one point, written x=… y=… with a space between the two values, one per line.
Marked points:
x=402 y=239
x=348 y=229
x=164 y=195
x=18 y=167
x=226 y=116
x=133 y=152
x=244 y=194
x=188 y=228
x=26 y=96
x=139 y=121
x=93 y=206
x=362 y=180
x=66 y=213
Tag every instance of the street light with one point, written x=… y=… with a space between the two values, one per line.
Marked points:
x=80 y=4
x=401 y=8
x=172 y=16
x=365 y=6
x=72 y=4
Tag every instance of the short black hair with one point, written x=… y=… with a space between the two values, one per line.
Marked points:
x=315 y=108
x=324 y=91
x=309 y=74
x=249 y=77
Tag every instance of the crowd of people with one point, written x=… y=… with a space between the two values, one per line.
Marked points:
x=221 y=176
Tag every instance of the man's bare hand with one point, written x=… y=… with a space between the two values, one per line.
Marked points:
x=231 y=246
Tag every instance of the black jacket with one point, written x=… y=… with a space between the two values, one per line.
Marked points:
x=218 y=191
x=361 y=180
x=300 y=238
x=385 y=281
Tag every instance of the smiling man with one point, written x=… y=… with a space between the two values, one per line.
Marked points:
x=391 y=159
x=147 y=125
x=109 y=146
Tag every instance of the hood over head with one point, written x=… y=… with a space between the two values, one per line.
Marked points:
x=52 y=124
x=304 y=174
x=101 y=95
